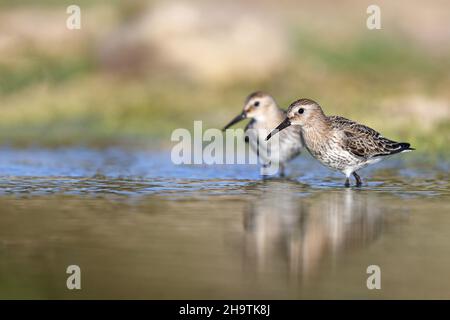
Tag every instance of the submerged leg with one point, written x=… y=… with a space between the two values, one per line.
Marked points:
x=282 y=170
x=358 y=179
x=264 y=174
x=347 y=183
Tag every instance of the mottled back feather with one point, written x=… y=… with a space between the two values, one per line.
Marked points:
x=365 y=142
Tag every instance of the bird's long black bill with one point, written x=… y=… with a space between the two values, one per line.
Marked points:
x=240 y=117
x=286 y=123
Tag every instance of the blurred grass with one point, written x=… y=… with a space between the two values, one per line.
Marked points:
x=71 y=100
x=14 y=78
x=53 y=3
x=374 y=58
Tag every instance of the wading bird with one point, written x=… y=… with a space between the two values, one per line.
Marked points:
x=338 y=143
x=265 y=114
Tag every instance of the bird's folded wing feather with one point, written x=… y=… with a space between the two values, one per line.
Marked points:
x=363 y=141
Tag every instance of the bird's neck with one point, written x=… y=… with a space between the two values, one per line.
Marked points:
x=318 y=133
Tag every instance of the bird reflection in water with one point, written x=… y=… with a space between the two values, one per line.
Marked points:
x=292 y=229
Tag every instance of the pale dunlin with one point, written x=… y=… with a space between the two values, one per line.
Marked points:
x=337 y=142
x=265 y=115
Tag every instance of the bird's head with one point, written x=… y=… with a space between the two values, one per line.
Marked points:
x=303 y=112
x=258 y=105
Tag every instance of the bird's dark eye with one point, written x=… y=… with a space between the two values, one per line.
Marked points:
x=301 y=110
x=256 y=103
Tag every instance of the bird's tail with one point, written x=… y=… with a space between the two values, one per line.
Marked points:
x=391 y=147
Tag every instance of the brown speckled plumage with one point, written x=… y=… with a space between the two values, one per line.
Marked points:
x=363 y=141
x=339 y=143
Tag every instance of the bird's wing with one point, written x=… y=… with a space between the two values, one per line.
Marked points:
x=365 y=142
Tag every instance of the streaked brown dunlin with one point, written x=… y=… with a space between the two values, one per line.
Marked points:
x=338 y=143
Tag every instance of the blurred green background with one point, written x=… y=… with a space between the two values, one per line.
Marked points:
x=136 y=70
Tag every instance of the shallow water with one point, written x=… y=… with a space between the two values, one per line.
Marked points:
x=141 y=227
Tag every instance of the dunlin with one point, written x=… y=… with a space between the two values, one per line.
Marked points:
x=265 y=114
x=338 y=143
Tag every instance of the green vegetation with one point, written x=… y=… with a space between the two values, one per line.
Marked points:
x=71 y=98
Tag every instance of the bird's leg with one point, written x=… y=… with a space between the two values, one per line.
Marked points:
x=347 y=183
x=358 y=179
x=282 y=170
x=264 y=174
